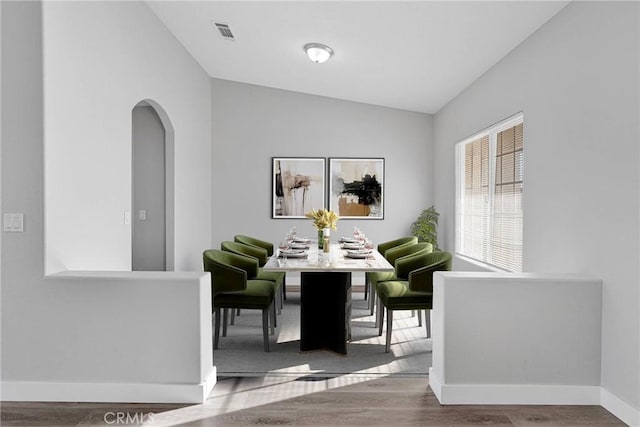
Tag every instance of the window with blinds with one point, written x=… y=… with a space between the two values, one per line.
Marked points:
x=489 y=195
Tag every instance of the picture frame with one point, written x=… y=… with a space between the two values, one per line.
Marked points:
x=356 y=187
x=297 y=186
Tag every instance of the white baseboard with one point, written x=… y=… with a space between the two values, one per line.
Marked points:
x=528 y=394
x=512 y=394
x=435 y=384
x=627 y=413
x=108 y=392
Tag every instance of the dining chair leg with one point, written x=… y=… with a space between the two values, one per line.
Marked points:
x=273 y=317
x=366 y=286
x=278 y=300
x=387 y=346
x=216 y=337
x=284 y=287
x=427 y=322
x=419 y=318
x=380 y=316
x=232 y=319
x=225 y=315
x=265 y=328
x=379 y=312
x=372 y=298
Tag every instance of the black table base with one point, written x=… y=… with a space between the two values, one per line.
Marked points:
x=325 y=311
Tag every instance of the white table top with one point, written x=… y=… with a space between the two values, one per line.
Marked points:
x=336 y=261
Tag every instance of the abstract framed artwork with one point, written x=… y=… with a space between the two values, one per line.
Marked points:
x=298 y=185
x=356 y=187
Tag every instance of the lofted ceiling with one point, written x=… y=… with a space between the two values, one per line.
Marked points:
x=410 y=55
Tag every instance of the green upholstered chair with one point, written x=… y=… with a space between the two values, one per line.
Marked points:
x=231 y=288
x=402 y=241
x=248 y=250
x=252 y=241
x=382 y=248
x=392 y=255
x=413 y=290
x=268 y=246
x=259 y=253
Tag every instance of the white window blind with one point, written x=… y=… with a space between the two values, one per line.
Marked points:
x=489 y=196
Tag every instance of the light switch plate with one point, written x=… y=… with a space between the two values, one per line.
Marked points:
x=142 y=214
x=127 y=217
x=13 y=222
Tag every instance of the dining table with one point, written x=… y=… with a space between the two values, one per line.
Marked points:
x=325 y=288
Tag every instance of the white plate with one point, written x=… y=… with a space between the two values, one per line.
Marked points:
x=352 y=246
x=299 y=246
x=348 y=240
x=361 y=253
x=356 y=255
x=304 y=240
x=293 y=254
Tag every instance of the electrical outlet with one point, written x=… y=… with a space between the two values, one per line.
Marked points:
x=13 y=222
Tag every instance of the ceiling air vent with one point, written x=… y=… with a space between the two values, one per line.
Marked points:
x=224 y=31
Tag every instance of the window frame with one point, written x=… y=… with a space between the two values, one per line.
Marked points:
x=492 y=132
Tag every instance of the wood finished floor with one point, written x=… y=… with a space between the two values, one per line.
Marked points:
x=307 y=401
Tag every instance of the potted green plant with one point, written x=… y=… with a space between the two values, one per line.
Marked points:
x=425 y=228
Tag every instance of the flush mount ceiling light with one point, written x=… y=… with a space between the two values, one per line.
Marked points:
x=318 y=52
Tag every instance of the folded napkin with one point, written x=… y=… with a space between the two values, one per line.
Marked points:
x=359 y=251
x=293 y=253
x=297 y=256
x=348 y=240
x=299 y=246
x=360 y=254
x=352 y=245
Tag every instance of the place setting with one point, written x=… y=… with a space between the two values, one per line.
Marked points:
x=293 y=253
x=358 y=246
x=358 y=253
x=351 y=245
x=300 y=243
x=355 y=242
x=293 y=247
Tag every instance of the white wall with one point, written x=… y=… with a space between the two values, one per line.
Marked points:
x=576 y=80
x=100 y=59
x=22 y=253
x=146 y=337
x=548 y=352
x=252 y=124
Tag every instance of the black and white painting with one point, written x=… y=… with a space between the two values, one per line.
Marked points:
x=298 y=186
x=356 y=187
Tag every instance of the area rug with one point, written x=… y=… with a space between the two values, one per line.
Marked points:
x=241 y=352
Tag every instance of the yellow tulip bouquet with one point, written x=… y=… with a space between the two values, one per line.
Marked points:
x=323 y=218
